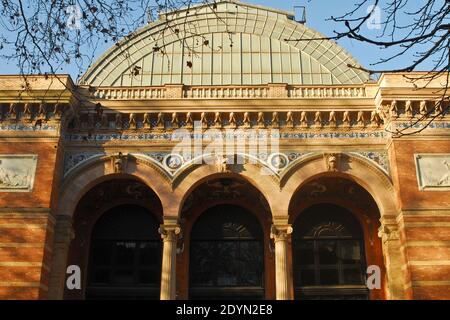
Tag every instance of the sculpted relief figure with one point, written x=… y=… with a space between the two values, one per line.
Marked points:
x=160 y=121
x=27 y=111
x=218 y=120
x=119 y=162
x=13 y=111
x=303 y=119
x=408 y=108
x=331 y=161
x=204 y=120
x=132 y=121
x=246 y=120
x=346 y=119
x=146 y=121
x=222 y=163
x=332 y=119
x=318 y=119
x=289 y=119
x=189 y=121
x=275 y=120
x=445 y=179
x=360 y=119
x=423 y=107
x=232 y=121
x=393 y=110
x=175 y=122
x=13 y=179
x=261 y=121
x=375 y=119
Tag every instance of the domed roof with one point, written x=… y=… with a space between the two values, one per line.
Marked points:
x=230 y=43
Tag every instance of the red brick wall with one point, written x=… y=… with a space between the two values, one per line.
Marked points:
x=26 y=227
x=426 y=221
x=405 y=179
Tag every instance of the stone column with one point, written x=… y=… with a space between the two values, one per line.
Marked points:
x=169 y=234
x=281 y=235
x=63 y=235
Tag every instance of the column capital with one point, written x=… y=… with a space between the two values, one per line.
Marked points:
x=280 y=232
x=388 y=233
x=169 y=232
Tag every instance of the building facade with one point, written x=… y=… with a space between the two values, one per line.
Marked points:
x=206 y=157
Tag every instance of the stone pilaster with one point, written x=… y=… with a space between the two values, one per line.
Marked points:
x=169 y=234
x=394 y=259
x=63 y=235
x=281 y=235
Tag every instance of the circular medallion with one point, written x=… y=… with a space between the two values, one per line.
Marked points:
x=173 y=161
x=278 y=161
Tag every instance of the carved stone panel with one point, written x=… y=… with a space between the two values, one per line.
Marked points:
x=17 y=172
x=433 y=171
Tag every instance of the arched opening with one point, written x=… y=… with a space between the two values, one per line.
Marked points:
x=328 y=254
x=335 y=224
x=117 y=245
x=226 y=255
x=125 y=255
x=225 y=251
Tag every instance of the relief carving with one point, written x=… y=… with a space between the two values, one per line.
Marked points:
x=433 y=171
x=17 y=172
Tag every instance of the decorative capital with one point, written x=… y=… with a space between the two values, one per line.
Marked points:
x=280 y=232
x=388 y=233
x=169 y=232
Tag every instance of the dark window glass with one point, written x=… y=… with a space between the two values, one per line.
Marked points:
x=226 y=255
x=328 y=254
x=125 y=264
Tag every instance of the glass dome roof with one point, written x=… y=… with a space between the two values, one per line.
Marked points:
x=231 y=43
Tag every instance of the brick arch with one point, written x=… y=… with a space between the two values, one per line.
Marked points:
x=359 y=170
x=100 y=169
x=265 y=184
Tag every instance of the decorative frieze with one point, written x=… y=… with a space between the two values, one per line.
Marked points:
x=17 y=173
x=104 y=137
x=433 y=171
x=283 y=120
x=412 y=110
x=32 y=116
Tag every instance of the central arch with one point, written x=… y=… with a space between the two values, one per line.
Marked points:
x=225 y=211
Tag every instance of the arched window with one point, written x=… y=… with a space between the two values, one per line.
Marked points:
x=226 y=255
x=125 y=255
x=328 y=254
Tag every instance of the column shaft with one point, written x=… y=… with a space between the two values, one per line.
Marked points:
x=169 y=235
x=281 y=235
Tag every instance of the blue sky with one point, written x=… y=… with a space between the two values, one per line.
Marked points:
x=317 y=13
